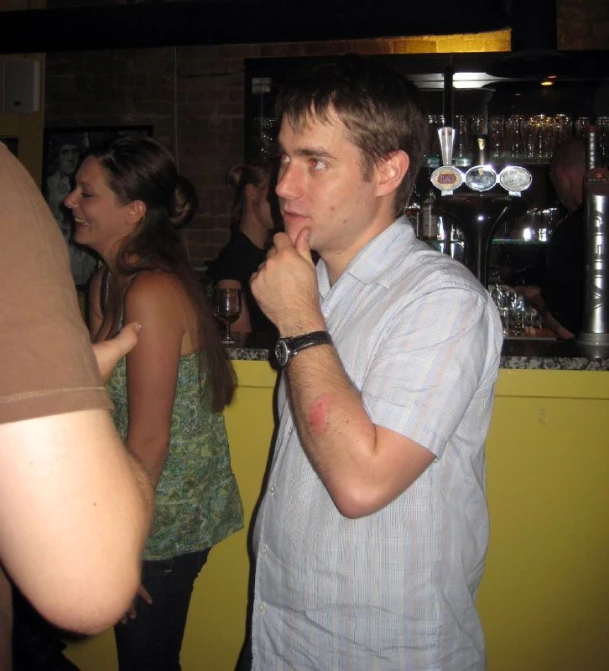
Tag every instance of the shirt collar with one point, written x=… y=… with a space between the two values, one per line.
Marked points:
x=370 y=263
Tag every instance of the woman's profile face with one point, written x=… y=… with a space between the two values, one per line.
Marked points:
x=99 y=217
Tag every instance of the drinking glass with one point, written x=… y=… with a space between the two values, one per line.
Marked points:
x=581 y=126
x=602 y=138
x=496 y=128
x=477 y=125
x=462 y=138
x=432 y=144
x=515 y=136
x=227 y=308
x=563 y=129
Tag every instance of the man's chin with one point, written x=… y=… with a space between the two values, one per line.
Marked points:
x=293 y=228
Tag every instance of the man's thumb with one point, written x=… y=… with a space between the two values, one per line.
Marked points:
x=302 y=244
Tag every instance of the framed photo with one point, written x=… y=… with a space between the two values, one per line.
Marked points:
x=62 y=153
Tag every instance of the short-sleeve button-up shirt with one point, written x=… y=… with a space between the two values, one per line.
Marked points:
x=393 y=591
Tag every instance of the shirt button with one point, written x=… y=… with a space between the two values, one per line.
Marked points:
x=272 y=489
x=262 y=608
x=264 y=549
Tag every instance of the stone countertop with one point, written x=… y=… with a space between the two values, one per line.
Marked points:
x=518 y=353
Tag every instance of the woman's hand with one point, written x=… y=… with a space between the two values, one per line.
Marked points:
x=131 y=614
x=109 y=352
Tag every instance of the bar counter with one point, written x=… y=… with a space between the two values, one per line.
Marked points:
x=517 y=353
x=544 y=595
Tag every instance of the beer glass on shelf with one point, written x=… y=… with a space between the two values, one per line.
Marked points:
x=539 y=136
x=496 y=129
x=462 y=151
x=514 y=136
x=581 y=126
x=563 y=129
x=602 y=139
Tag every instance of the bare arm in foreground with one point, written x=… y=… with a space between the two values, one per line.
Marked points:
x=75 y=509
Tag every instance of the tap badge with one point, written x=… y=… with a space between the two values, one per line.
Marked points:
x=446 y=179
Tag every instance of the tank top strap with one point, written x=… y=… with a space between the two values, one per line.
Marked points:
x=105 y=290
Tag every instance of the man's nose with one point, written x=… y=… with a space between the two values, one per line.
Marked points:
x=288 y=183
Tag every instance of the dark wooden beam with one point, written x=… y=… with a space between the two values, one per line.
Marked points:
x=239 y=22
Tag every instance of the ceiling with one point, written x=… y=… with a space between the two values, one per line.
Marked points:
x=73 y=25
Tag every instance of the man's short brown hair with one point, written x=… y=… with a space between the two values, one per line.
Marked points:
x=380 y=108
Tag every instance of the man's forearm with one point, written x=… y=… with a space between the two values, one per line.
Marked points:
x=336 y=432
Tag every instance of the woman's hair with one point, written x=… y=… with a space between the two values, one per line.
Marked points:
x=139 y=168
x=237 y=179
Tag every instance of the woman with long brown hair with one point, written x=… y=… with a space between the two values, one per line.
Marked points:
x=128 y=204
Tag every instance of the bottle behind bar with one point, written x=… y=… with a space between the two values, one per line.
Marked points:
x=595 y=326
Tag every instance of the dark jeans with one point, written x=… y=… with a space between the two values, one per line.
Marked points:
x=245 y=658
x=152 y=641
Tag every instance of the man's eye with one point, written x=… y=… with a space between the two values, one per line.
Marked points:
x=317 y=164
x=84 y=194
x=284 y=158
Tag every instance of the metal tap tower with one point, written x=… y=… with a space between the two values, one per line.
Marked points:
x=595 y=327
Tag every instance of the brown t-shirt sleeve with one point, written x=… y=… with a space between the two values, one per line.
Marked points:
x=47 y=365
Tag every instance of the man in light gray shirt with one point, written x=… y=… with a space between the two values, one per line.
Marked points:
x=371 y=538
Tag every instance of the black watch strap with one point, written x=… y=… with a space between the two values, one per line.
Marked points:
x=287 y=348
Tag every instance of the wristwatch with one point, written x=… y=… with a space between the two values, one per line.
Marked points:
x=287 y=348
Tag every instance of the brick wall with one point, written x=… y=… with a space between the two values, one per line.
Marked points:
x=582 y=24
x=193 y=96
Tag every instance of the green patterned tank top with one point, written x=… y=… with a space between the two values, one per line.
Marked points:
x=197 y=498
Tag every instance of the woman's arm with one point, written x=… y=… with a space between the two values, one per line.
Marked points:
x=243 y=324
x=157 y=302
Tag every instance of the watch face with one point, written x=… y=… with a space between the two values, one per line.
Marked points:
x=282 y=353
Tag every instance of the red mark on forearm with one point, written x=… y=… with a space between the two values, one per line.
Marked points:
x=319 y=414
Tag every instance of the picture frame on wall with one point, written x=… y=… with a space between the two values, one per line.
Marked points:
x=63 y=150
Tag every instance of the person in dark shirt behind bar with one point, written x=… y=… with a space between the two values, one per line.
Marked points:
x=560 y=297
x=251 y=224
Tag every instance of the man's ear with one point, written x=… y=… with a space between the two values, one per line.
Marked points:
x=391 y=172
x=136 y=210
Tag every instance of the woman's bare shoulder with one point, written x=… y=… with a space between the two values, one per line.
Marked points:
x=161 y=287
x=155 y=281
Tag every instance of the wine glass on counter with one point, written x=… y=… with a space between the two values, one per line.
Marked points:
x=227 y=308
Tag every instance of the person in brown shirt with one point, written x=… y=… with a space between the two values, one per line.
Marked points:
x=75 y=506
